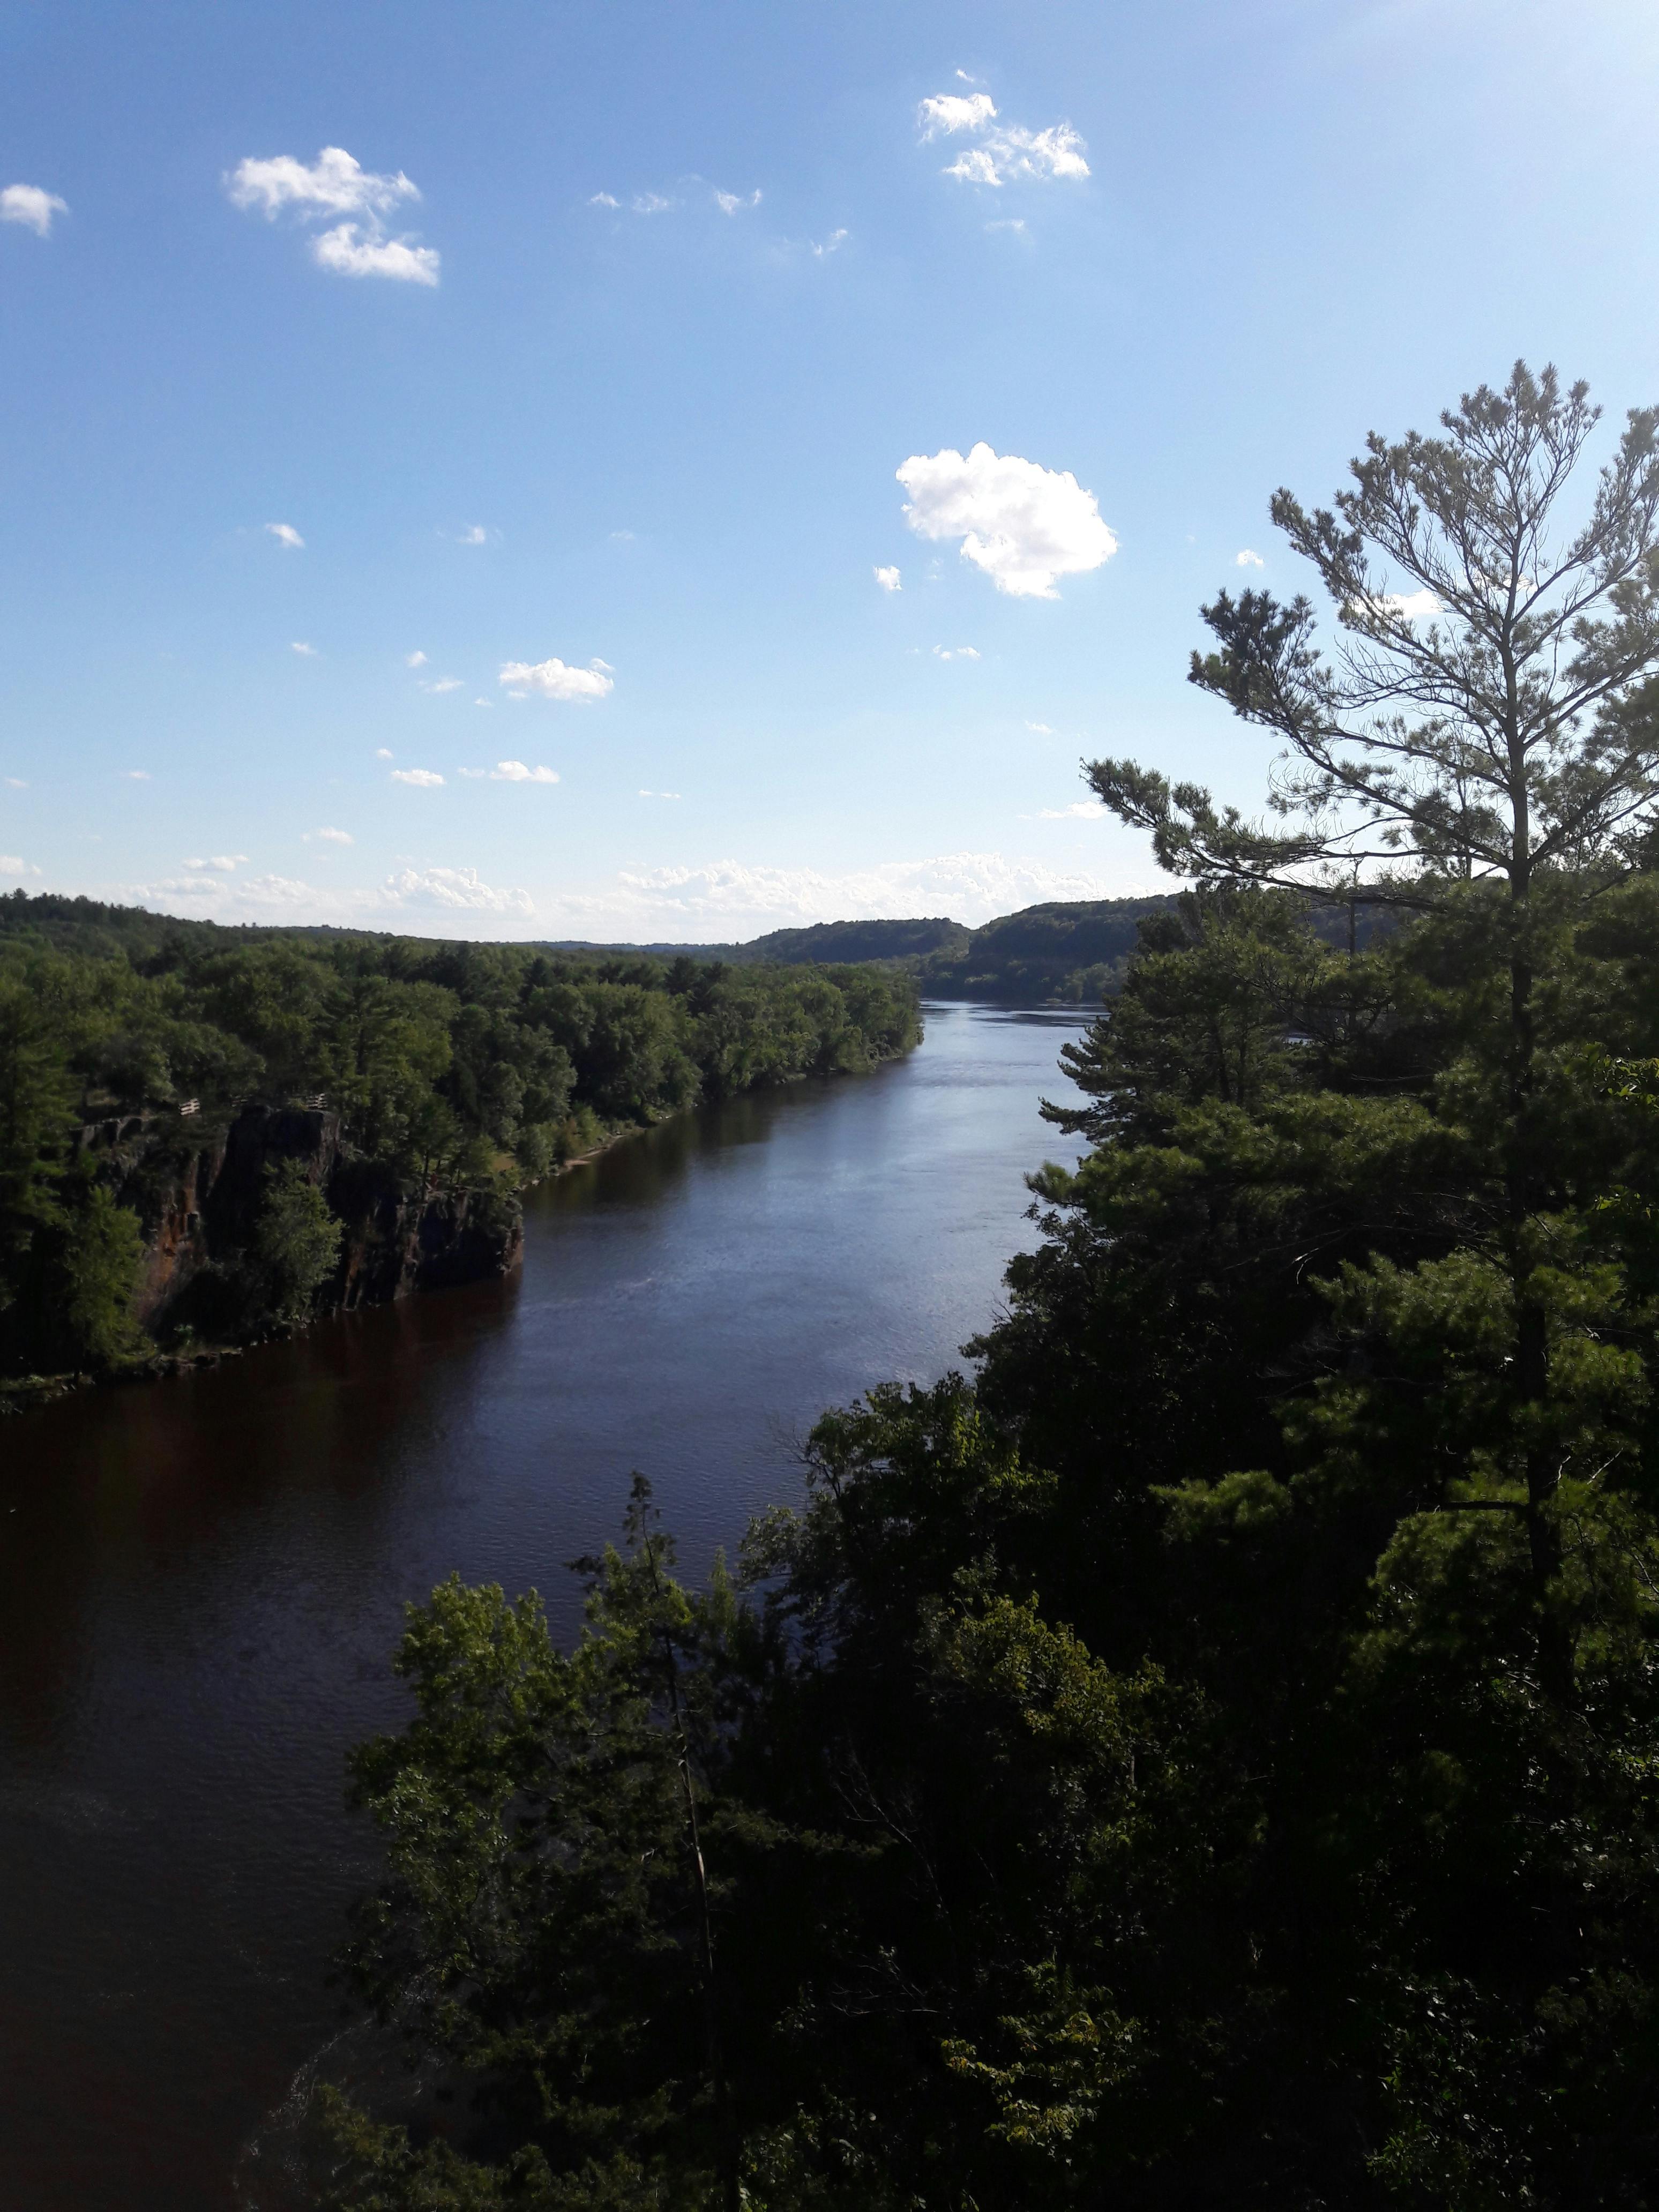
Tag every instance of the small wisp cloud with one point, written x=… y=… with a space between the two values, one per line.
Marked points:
x=31 y=206
x=286 y=535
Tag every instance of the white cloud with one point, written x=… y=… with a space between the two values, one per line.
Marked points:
x=1023 y=524
x=424 y=779
x=650 y=203
x=137 y=774
x=1080 y=810
x=14 y=864
x=1249 y=560
x=351 y=254
x=222 y=864
x=484 y=702
x=516 y=772
x=443 y=683
x=728 y=897
x=1007 y=223
x=730 y=203
x=1413 y=606
x=552 y=679
x=604 y=199
x=333 y=184
x=453 y=889
x=833 y=244
x=660 y=794
x=956 y=653
x=1006 y=154
x=474 y=534
x=889 y=579
x=16 y=782
x=951 y=111
x=286 y=534
x=33 y=207
x=306 y=651
x=414 y=660
x=333 y=837
x=1041 y=729
x=622 y=538
x=384 y=752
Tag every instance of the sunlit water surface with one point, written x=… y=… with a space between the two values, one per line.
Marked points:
x=200 y=1581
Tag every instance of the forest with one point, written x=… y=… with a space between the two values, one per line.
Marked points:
x=1205 y=1757
x=374 y=1072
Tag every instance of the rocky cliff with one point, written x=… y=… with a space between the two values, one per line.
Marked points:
x=198 y=1197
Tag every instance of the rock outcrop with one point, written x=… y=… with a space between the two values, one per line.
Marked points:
x=198 y=1198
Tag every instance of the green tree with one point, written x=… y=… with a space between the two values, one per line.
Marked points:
x=296 y=1241
x=97 y=1267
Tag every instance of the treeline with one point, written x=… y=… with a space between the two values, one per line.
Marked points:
x=1158 y=1774
x=450 y=1066
x=1208 y=1760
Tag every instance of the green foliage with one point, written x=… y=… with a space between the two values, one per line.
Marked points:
x=1196 y=1765
x=451 y=1067
x=96 y=1268
x=297 y=1241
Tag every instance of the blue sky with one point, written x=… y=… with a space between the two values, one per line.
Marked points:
x=542 y=386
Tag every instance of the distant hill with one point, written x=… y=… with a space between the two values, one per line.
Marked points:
x=823 y=942
x=1074 y=950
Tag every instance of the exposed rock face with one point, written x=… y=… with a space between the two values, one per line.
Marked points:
x=200 y=1204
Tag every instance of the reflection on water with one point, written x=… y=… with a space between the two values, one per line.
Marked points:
x=200 y=1580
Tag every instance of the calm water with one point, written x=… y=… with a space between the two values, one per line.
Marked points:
x=200 y=1581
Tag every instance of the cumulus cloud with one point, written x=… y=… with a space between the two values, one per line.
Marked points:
x=286 y=534
x=1002 y=153
x=414 y=660
x=137 y=774
x=306 y=651
x=1023 y=524
x=14 y=864
x=384 y=752
x=603 y=200
x=453 y=887
x=552 y=679
x=423 y=778
x=474 y=534
x=15 y=783
x=889 y=579
x=442 y=683
x=33 y=207
x=222 y=864
x=335 y=185
x=728 y=897
x=1249 y=560
x=1080 y=810
x=332 y=836
x=1041 y=729
x=353 y=249
x=332 y=185
x=641 y=202
x=956 y=653
x=1413 y=606
x=951 y=111
x=730 y=203
x=516 y=772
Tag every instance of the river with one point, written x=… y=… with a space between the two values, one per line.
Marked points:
x=200 y=1580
